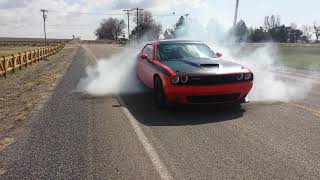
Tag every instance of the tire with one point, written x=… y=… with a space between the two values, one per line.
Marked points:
x=158 y=93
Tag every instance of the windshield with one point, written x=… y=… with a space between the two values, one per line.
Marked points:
x=184 y=51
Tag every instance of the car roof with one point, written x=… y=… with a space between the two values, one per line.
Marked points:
x=174 y=41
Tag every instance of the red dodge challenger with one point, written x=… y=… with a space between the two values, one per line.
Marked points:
x=189 y=72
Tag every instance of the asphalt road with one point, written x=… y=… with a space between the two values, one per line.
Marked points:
x=81 y=137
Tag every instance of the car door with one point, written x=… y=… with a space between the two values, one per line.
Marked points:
x=145 y=70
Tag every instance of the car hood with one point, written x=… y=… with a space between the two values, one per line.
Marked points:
x=204 y=66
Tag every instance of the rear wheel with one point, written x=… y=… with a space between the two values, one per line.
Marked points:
x=158 y=93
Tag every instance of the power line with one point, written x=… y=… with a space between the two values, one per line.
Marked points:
x=110 y=14
x=44 y=24
x=87 y=13
x=63 y=25
x=170 y=14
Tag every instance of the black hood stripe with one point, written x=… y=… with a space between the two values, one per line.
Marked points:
x=157 y=67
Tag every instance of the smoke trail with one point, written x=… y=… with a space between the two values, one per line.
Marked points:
x=262 y=60
x=114 y=75
x=268 y=84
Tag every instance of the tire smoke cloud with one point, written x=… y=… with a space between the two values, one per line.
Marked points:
x=262 y=59
x=114 y=75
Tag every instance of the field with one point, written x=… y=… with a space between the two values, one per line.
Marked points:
x=298 y=57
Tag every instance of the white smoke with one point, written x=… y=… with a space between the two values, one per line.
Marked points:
x=269 y=85
x=114 y=75
x=262 y=59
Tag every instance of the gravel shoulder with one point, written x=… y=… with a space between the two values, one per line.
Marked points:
x=26 y=91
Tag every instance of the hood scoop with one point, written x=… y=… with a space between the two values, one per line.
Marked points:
x=210 y=65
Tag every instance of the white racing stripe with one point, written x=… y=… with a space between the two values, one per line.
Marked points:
x=152 y=153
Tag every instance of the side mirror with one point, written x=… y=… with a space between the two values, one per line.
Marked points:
x=218 y=54
x=144 y=56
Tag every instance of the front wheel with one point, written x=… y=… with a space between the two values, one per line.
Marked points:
x=158 y=93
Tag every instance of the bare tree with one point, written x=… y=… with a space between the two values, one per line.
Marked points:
x=316 y=28
x=110 y=28
x=267 y=23
x=145 y=17
x=293 y=25
x=307 y=32
x=271 y=22
x=148 y=28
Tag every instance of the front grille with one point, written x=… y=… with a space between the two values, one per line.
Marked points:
x=217 y=79
x=213 y=98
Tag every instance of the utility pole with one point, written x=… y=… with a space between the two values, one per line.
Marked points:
x=44 y=24
x=128 y=15
x=186 y=17
x=137 y=9
x=236 y=13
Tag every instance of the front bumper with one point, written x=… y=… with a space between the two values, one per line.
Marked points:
x=208 y=94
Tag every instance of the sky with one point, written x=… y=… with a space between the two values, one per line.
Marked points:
x=22 y=18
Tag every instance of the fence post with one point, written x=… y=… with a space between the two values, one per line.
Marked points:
x=42 y=54
x=5 y=66
x=13 y=63
x=30 y=56
x=38 y=54
x=33 y=56
x=26 y=58
x=20 y=60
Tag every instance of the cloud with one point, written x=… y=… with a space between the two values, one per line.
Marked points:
x=124 y=4
x=156 y=4
x=9 y=4
x=24 y=18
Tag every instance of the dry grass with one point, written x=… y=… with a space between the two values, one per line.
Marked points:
x=27 y=90
x=5 y=142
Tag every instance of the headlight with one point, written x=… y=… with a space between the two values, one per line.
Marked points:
x=239 y=77
x=247 y=76
x=175 y=80
x=184 y=79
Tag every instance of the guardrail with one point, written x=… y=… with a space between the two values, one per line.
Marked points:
x=20 y=60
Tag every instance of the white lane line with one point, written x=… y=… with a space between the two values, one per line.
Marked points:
x=152 y=153
x=94 y=58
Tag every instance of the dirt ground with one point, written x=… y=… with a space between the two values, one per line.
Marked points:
x=25 y=91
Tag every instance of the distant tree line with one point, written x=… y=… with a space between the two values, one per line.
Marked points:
x=147 y=29
x=113 y=28
x=110 y=28
x=271 y=31
x=274 y=31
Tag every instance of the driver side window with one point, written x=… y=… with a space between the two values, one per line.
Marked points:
x=148 y=50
